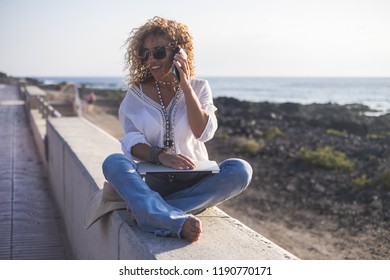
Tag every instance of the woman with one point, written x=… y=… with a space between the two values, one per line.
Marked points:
x=166 y=119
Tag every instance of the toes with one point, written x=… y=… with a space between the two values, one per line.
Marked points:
x=191 y=229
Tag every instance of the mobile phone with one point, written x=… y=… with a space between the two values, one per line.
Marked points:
x=175 y=71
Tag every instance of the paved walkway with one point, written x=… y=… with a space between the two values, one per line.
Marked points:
x=30 y=225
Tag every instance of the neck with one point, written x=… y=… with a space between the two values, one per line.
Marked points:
x=166 y=89
x=167 y=82
x=172 y=85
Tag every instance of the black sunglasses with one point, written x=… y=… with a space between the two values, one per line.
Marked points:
x=157 y=52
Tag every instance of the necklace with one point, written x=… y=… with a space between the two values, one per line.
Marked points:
x=166 y=83
x=169 y=120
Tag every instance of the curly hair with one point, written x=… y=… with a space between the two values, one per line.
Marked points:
x=178 y=35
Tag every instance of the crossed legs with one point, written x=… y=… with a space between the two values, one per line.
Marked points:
x=172 y=215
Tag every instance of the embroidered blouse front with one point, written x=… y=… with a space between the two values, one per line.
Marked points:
x=143 y=121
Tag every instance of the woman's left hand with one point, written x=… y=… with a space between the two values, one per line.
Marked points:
x=177 y=161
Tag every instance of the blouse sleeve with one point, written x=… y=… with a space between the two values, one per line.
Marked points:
x=132 y=135
x=206 y=101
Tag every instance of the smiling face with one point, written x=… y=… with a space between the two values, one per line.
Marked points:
x=159 y=68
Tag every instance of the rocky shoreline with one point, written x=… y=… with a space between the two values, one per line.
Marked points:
x=351 y=206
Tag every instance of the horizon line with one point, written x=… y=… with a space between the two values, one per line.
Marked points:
x=201 y=76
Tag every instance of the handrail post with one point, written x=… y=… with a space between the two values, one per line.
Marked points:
x=46 y=110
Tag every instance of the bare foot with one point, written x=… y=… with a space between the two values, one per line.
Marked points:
x=192 y=228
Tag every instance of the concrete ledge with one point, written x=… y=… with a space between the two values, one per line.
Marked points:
x=32 y=93
x=76 y=150
x=38 y=129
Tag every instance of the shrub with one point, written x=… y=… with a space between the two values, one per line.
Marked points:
x=380 y=135
x=376 y=136
x=337 y=132
x=326 y=157
x=249 y=146
x=361 y=181
x=273 y=133
x=221 y=134
x=382 y=180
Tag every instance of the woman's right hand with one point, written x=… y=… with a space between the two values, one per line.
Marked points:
x=179 y=161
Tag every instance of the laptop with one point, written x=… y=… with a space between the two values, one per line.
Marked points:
x=205 y=166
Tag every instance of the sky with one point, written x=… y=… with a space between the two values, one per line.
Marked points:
x=268 y=38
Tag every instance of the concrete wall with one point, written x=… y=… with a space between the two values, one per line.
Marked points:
x=76 y=150
x=38 y=128
x=31 y=93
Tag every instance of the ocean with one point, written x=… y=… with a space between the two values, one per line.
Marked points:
x=373 y=92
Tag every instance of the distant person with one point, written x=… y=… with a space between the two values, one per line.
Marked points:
x=166 y=120
x=90 y=99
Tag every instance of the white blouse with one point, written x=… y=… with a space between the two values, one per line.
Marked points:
x=142 y=121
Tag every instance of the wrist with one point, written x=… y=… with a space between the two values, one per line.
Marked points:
x=162 y=152
x=186 y=88
x=155 y=153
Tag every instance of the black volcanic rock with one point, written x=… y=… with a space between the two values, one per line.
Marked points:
x=288 y=187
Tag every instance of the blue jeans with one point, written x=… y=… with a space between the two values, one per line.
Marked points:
x=161 y=205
